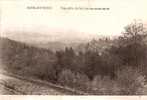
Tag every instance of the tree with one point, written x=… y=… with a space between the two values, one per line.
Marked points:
x=134 y=33
x=131 y=45
x=64 y=60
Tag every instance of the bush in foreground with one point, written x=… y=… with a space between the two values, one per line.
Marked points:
x=73 y=79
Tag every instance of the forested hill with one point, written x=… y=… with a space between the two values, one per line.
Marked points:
x=25 y=59
x=104 y=66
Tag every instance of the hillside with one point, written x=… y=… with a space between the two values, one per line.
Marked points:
x=24 y=59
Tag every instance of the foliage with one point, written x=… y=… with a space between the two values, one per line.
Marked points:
x=23 y=59
x=104 y=85
x=103 y=66
x=73 y=79
x=130 y=81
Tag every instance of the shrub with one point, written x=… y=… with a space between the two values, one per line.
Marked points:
x=72 y=79
x=104 y=85
x=130 y=81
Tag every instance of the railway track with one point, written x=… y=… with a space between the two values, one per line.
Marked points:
x=9 y=89
x=43 y=87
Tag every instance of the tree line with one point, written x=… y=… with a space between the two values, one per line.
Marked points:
x=119 y=67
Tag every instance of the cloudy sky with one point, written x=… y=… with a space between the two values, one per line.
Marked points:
x=15 y=17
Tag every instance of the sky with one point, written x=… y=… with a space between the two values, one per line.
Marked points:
x=16 y=19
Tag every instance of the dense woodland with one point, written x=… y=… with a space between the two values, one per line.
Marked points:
x=118 y=66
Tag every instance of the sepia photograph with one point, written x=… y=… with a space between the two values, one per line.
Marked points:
x=73 y=47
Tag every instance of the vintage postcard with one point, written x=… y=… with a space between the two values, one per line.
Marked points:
x=73 y=47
